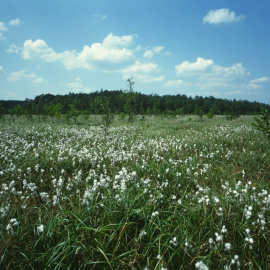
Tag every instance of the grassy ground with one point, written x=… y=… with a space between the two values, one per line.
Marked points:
x=154 y=194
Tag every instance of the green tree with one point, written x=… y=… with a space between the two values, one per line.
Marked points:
x=54 y=110
x=199 y=111
x=130 y=104
x=232 y=114
x=72 y=113
x=262 y=122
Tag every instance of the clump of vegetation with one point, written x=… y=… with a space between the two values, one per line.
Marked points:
x=130 y=103
x=262 y=122
x=199 y=111
x=107 y=116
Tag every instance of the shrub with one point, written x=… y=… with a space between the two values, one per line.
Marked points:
x=262 y=122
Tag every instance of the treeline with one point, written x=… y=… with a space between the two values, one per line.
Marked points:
x=117 y=101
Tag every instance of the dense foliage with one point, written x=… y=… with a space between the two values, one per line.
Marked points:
x=130 y=103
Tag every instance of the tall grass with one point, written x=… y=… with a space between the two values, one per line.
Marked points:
x=158 y=194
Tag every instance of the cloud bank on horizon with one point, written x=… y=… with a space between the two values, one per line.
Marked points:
x=29 y=66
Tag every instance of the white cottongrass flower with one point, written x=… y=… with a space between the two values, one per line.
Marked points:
x=40 y=228
x=210 y=240
x=201 y=266
x=248 y=212
x=154 y=214
x=174 y=242
x=12 y=223
x=219 y=237
x=228 y=246
x=159 y=257
x=142 y=234
x=223 y=230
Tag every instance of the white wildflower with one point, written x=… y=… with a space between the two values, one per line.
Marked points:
x=40 y=228
x=174 y=242
x=228 y=246
x=201 y=266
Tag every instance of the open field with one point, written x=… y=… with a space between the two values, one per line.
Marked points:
x=154 y=194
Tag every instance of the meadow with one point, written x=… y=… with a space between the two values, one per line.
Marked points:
x=155 y=194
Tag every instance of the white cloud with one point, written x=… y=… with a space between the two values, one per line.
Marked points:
x=204 y=74
x=24 y=75
x=104 y=53
x=222 y=16
x=143 y=72
x=260 y=80
x=254 y=86
x=112 y=41
x=188 y=68
x=174 y=83
x=206 y=68
x=13 y=49
x=112 y=51
x=256 y=83
x=15 y=22
x=141 y=67
x=150 y=53
x=77 y=86
x=39 y=50
x=1 y=69
x=235 y=71
x=3 y=27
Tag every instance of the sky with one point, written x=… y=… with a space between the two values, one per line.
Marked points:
x=217 y=48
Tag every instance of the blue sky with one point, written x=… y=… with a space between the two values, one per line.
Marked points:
x=194 y=47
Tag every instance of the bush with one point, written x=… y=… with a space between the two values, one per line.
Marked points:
x=262 y=122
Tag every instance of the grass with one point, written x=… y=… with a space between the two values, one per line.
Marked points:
x=155 y=194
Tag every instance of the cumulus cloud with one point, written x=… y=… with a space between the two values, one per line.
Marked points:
x=15 y=22
x=112 y=41
x=77 y=86
x=113 y=50
x=150 y=53
x=141 y=67
x=188 y=68
x=206 y=68
x=205 y=74
x=222 y=16
x=24 y=75
x=235 y=71
x=143 y=72
x=39 y=50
